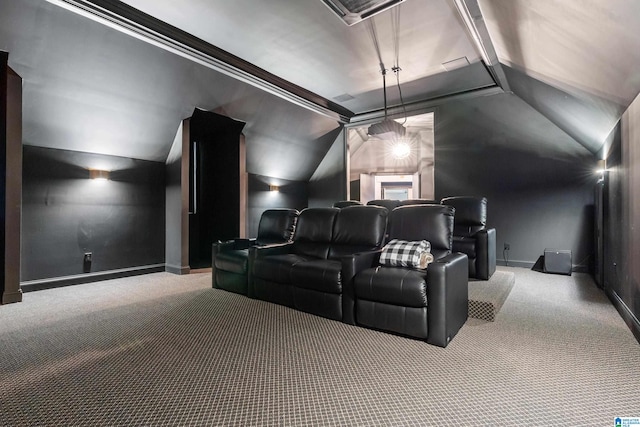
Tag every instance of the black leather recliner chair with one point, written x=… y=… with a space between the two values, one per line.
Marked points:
x=345 y=203
x=230 y=260
x=472 y=237
x=385 y=203
x=418 y=202
x=315 y=272
x=429 y=304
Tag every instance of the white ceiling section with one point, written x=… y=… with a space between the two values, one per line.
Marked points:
x=589 y=45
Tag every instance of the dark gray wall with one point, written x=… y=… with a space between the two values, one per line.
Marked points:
x=622 y=216
x=177 y=204
x=539 y=182
x=291 y=194
x=328 y=184
x=10 y=181
x=65 y=214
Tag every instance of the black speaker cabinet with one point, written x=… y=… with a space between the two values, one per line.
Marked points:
x=557 y=261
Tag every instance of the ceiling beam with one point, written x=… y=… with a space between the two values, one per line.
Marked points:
x=473 y=20
x=142 y=26
x=419 y=107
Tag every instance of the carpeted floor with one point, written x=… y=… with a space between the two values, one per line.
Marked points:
x=169 y=350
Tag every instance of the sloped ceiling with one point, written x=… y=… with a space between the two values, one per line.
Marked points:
x=576 y=62
x=489 y=123
x=591 y=45
x=89 y=87
x=306 y=44
x=585 y=117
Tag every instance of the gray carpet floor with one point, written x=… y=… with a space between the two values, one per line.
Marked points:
x=168 y=350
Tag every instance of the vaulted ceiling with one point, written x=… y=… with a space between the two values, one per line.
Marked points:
x=105 y=86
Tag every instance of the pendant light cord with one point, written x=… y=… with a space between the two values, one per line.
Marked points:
x=374 y=36
x=395 y=26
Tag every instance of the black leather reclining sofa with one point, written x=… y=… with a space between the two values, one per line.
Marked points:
x=230 y=259
x=471 y=235
x=315 y=272
x=429 y=304
x=331 y=269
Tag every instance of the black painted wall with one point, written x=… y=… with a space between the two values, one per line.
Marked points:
x=65 y=214
x=622 y=216
x=176 y=204
x=291 y=194
x=538 y=181
x=328 y=184
x=616 y=240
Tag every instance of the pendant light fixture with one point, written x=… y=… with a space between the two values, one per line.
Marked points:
x=388 y=128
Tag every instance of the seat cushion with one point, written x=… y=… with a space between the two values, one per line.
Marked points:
x=322 y=275
x=276 y=268
x=392 y=285
x=232 y=261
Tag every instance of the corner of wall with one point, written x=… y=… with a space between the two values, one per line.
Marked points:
x=329 y=181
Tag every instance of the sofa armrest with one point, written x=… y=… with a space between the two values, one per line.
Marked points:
x=352 y=265
x=256 y=252
x=229 y=245
x=485 y=253
x=233 y=245
x=275 y=249
x=447 y=297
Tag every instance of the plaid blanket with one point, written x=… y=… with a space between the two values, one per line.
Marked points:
x=403 y=253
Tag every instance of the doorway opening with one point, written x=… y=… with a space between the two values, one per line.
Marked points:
x=400 y=168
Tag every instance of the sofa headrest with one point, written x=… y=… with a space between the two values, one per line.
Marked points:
x=345 y=203
x=385 y=203
x=470 y=211
x=433 y=223
x=276 y=226
x=360 y=226
x=313 y=232
x=418 y=202
x=315 y=225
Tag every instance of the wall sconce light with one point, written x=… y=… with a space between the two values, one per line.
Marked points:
x=601 y=169
x=274 y=188
x=98 y=174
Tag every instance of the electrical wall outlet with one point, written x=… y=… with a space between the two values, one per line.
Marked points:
x=507 y=247
x=86 y=262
